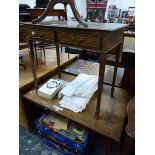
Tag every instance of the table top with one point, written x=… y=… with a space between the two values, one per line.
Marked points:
x=112 y=115
x=75 y=25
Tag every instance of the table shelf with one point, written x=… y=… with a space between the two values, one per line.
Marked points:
x=112 y=115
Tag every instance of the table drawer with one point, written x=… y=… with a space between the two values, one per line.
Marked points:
x=89 y=41
x=37 y=34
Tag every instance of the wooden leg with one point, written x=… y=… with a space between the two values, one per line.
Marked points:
x=107 y=145
x=46 y=12
x=44 y=54
x=22 y=113
x=33 y=64
x=58 y=60
x=115 y=68
x=61 y=49
x=76 y=13
x=59 y=18
x=21 y=63
x=114 y=75
x=36 y=56
x=100 y=82
x=68 y=56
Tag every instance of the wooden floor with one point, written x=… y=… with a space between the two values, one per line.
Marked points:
x=43 y=67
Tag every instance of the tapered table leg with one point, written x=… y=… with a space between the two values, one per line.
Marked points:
x=58 y=61
x=115 y=68
x=33 y=64
x=100 y=82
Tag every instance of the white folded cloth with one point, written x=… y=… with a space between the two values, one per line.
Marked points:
x=77 y=94
x=74 y=103
x=87 y=88
x=73 y=86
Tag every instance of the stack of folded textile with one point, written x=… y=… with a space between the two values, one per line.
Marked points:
x=77 y=94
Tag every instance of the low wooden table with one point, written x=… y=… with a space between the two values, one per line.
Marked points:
x=113 y=111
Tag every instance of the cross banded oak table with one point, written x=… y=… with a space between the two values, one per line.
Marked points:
x=97 y=37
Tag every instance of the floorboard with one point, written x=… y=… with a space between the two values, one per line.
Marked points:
x=43 y=67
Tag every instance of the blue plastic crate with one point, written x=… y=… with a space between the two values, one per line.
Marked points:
x=76 y=146
x=58 y=149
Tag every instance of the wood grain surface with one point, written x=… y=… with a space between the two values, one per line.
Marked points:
x=112 y=114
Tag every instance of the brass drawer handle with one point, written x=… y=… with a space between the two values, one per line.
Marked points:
x=37 y=34
x=33 y=33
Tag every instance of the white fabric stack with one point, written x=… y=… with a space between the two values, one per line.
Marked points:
x=77 y=94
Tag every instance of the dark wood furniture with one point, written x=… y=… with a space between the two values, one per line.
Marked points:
x=97 y=37
x=101 y=38
x=44 y=71
x=24 y=16
x=128 y=62
x=113 y=112
x=35 y=12
x=41 y=3
x=21 y=63
x=22 y=45
x=51 y=5
x=130 y=128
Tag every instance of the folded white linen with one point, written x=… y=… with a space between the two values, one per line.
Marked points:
x=77 y=101
x=90 y=92
x=88 y=87
x=75 y=84
x=74 y=103
x=69 y=106
x=77 y=94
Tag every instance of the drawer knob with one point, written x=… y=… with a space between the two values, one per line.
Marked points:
x=33 y=33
